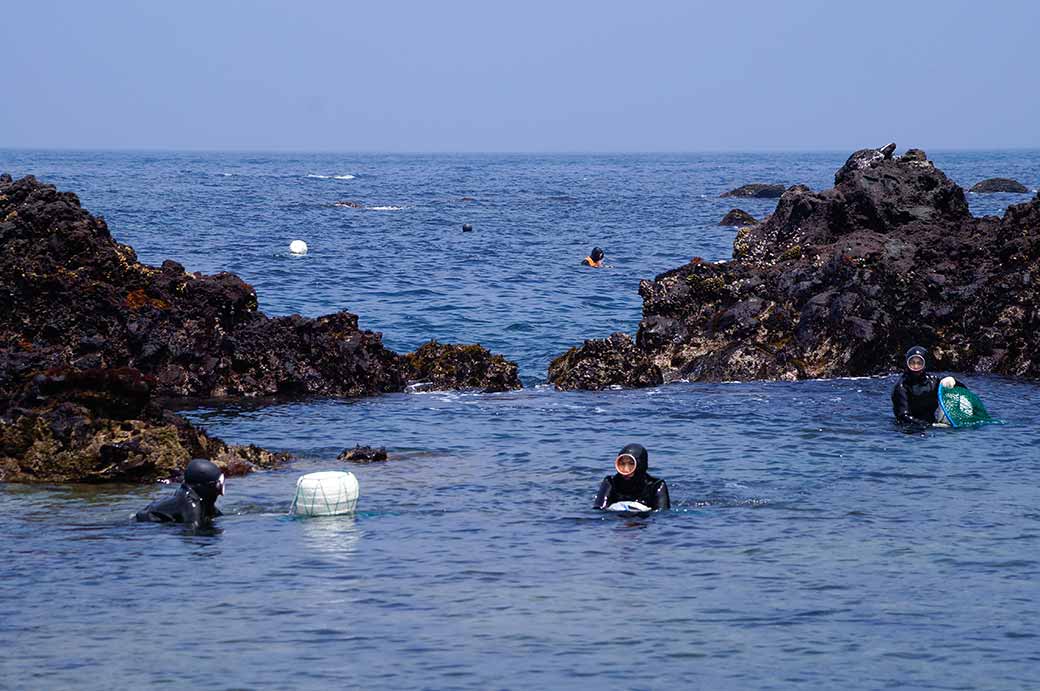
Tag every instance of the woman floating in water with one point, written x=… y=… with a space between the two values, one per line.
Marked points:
x=595 y=258
x=914 y=397
x=632 y=482
x=195 y=501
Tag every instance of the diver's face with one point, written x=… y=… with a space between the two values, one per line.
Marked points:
x=915 y=364
x=626 y=464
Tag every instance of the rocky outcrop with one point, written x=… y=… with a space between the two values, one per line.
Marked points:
x=756 y=190
x=840 y=282
x=102 y=425
x=603 y=364
x=445 y=366
x=75 y=298
x=738 y=217
x=993 y=185
x=74 y=302
x=349 y=204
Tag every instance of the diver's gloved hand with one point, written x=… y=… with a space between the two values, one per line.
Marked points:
x=947 y=383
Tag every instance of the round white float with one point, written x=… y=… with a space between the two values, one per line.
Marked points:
x=329 y=493
x=298 y=247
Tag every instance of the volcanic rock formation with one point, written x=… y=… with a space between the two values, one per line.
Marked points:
x=447 y=366
x=101 y=425
x=840 y=282
x=738 y=217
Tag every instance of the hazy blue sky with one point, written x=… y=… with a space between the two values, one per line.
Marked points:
x=520 y=76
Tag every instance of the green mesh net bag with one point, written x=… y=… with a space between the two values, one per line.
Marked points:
x=962 y=408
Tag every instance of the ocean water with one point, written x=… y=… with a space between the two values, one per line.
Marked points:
x=811 y=543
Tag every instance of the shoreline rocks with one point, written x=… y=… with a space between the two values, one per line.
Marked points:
x=102 y=425
x=839 y=283
x=994 y=185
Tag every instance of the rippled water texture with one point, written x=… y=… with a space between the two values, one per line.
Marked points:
x=811 y=544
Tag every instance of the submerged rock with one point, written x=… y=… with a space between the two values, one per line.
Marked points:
x=363 y=454
x=757 y=190
x=349 y=204
x=738 y=217
x=999 y=185
x=447 y=366
x=841 y=282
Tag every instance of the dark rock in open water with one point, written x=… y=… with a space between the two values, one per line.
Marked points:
x=999 y=185
x=841 y=282
x=444 y=365
x=363 y=454
x=757 y=190
x=738 y=217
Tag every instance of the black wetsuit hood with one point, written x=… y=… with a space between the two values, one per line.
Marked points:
x=909 y=373
x=205 y=478
x=636 y=481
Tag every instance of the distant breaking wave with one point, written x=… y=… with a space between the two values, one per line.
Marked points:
x=332 y=177
x=383 y=208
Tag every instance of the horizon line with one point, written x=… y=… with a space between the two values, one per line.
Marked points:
x=488 y=152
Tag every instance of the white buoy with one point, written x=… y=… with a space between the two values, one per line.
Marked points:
x=298 y=247
x=330 y=493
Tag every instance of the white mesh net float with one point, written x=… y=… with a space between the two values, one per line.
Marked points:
x=329 y=493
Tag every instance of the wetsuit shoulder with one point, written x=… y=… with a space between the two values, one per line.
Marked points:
x=605 y=496
x=181 y=507
x=661 y=500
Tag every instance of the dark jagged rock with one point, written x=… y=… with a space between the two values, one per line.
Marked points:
x=350 y=205
x=101 y=425
x=738 y=217
x=756 y=190
x=604 y=363
x=363 y=454
x=447 y=366
x=841 y=282
x=999 y=185
x=75 y=298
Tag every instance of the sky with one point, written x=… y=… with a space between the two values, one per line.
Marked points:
x=530 y=76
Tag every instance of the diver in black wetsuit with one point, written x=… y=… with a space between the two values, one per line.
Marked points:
x=632 y=482
x=915 y=397
x=194 y=502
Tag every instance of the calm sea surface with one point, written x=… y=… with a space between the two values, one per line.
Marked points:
x=811 y=543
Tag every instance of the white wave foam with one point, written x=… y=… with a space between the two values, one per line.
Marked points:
x=383 y=208
x=331 y=177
